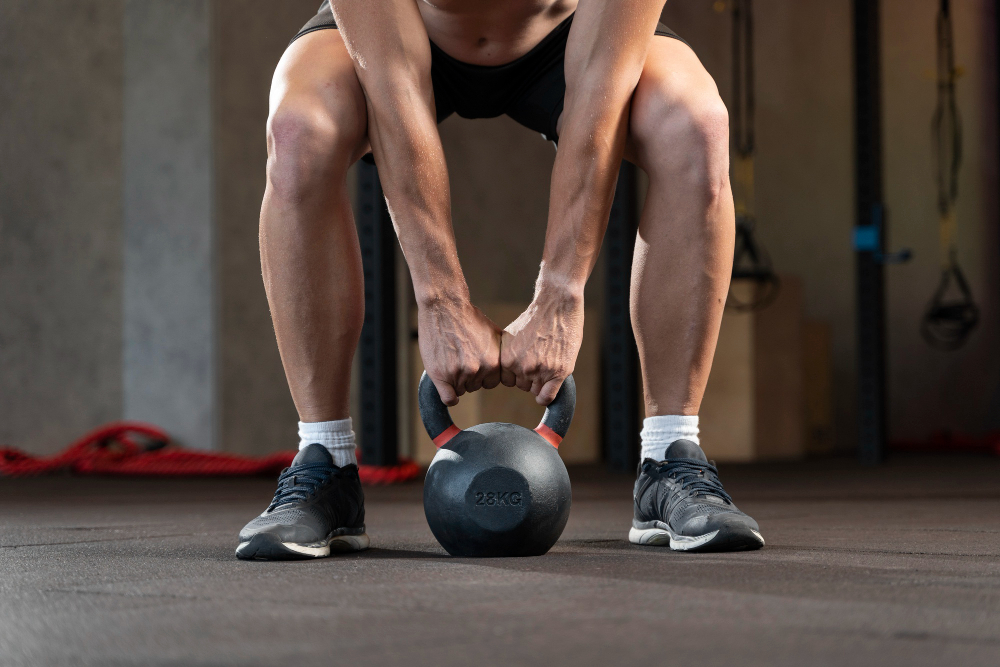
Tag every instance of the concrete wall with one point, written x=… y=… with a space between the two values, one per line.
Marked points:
x=153 y=308
x=60 y=219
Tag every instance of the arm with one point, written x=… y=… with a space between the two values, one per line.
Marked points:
x=605 y=55
x=391 y=52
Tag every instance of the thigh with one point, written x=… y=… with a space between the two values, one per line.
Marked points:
x=674 y=92
x=315 y=83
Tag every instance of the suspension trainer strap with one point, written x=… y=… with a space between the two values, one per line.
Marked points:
x=750 y=261
x=948 y=320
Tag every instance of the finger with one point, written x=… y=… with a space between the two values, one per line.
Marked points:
x=536 y=386
x=506 y=351
x=466 y=379
x=508 y=361
x=486 y=371
x=446 y=392
x=475 y=383
x=491 y=379
x=523 y=383
x=549 y=391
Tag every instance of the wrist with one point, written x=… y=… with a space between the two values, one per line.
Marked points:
x=438 y=283
x=556 y=288
x=437 y=298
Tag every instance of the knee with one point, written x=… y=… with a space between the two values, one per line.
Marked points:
x=307 y=146
x=683 y=140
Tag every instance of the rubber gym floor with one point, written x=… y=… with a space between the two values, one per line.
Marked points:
x=894 y=565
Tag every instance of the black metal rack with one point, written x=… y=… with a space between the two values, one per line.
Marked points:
x=379 y=410
x=620 y=358
x=870 y=232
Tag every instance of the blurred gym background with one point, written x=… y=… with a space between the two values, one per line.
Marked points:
x=133 y=154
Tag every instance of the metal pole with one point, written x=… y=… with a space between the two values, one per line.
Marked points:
x=377 y=349
x=620 y=381
x=871 y=232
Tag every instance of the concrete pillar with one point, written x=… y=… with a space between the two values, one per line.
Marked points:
x=169 y=285
x=60 y=213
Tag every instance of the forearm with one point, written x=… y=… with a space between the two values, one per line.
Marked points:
x=392 y=59
x=604 y=59
x=414 y=176
x=583 y=181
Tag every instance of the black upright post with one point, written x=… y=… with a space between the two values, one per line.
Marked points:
x=620 y=381
x=377 y=349
x=869 y=267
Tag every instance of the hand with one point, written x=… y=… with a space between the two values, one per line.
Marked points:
x=460 y=347
x=539 y=348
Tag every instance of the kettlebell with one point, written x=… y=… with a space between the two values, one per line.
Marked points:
x=496 y=489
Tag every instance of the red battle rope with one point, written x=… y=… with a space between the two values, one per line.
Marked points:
x=136 y=449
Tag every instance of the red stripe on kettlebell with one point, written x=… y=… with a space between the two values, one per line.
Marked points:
x=446 y=435
x=550 y=435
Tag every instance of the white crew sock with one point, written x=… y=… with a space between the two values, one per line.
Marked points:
x=336 y=436
x=658 y=433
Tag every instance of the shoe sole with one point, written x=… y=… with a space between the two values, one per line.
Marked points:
x=727 y=538
x=268 y=547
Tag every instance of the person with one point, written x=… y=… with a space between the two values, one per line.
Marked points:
x=605 y=81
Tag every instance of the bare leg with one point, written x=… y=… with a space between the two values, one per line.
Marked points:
x=679 y=134
x=309 y=249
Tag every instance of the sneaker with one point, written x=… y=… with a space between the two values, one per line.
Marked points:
x=318 y=509
x=680 y=502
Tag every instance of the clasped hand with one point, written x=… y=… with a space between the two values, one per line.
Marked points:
x=463 y=350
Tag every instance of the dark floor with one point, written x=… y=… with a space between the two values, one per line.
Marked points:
x=898 y=565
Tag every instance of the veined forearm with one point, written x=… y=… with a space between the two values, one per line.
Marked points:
x=605 y=54
x=414 y=176
x=392 y=58
x=583 y=182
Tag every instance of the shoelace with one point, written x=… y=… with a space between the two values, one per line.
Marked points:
x=299 y=483
x=697 y=476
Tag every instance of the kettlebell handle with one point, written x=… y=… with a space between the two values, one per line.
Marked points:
x=440 y=427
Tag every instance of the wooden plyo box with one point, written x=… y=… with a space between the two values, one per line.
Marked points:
x=754 y=406
x=818 y=350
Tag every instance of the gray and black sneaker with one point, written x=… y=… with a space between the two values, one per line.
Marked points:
x=680 y=502
x=318 y=509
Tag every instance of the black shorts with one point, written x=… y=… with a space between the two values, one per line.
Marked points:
x=530 y=89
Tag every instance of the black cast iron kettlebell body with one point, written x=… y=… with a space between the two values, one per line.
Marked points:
x=496 y=489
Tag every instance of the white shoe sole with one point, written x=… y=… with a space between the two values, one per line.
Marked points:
x=662 y=537
x=266 y=547
x=338 y=544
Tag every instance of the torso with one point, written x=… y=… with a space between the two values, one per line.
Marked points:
x=491 y=32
